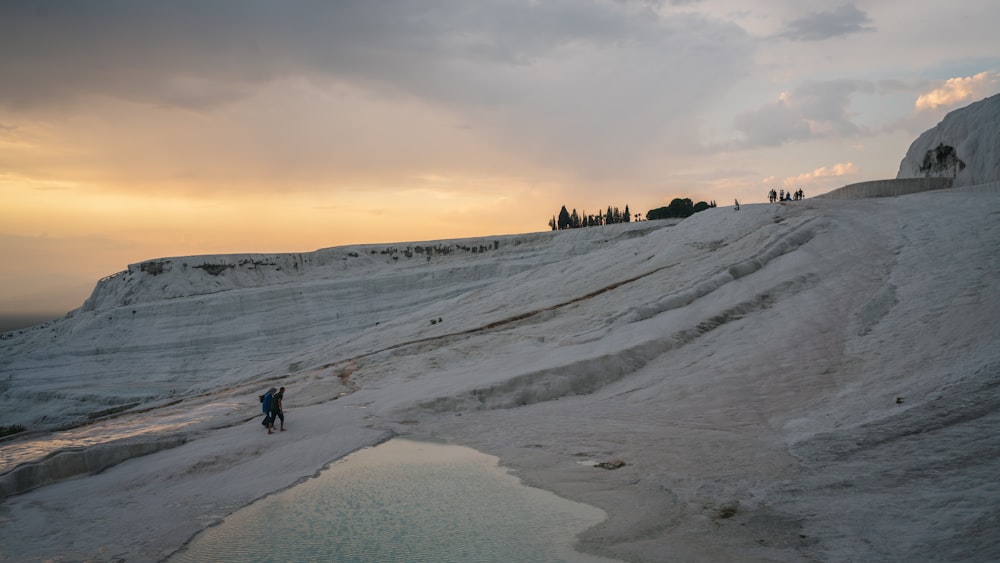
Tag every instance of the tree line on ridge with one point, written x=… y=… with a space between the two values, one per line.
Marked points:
x=678 y=208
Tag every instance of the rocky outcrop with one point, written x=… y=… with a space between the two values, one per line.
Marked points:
x=963 y=146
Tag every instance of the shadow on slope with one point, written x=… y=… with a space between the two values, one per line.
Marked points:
x=927 y=467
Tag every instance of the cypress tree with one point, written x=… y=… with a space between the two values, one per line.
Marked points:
x=563 y=222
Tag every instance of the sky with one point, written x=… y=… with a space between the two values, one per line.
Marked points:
x=137 y=130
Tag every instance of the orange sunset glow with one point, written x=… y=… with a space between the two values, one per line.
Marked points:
x=205 y=128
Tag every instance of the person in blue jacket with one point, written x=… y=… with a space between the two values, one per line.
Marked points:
x=265 y=405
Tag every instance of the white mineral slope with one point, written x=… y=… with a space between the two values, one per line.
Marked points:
x=817 y=380
x=165 y=328
x=973 y=132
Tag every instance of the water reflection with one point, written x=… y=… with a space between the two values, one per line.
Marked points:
x=403 y=501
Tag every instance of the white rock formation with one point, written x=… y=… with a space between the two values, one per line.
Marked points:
x=963 y=146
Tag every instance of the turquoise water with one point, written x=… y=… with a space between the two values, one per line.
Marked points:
x=403 y=500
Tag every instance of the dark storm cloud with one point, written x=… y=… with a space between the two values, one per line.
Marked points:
x=818 y=26
x=577 y=82
x=194 y=53
x=54 y=52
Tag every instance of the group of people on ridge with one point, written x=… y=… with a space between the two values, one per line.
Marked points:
x=782 y=195
x=270 y=403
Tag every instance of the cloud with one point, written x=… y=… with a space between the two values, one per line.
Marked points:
x=959 y=90
x=817 y=26
x=812 y=111
x=198 y=54
x=821 y=178
x=580 y=86
x=773 y=125
x=823 y=172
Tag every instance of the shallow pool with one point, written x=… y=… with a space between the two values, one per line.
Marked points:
x=403 y=500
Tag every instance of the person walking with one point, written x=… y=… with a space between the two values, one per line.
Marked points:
x=266 y=405
x=278 y=409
